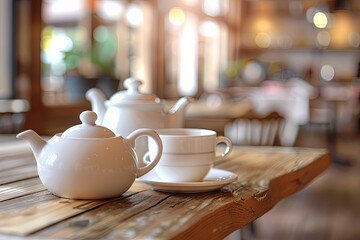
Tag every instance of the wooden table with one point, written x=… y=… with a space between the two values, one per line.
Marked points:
x=265 y=176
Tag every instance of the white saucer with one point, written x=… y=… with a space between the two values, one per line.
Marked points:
x=215 y=179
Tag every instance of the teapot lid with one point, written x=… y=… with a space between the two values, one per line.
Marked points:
x=88 y=128
x=132 y=94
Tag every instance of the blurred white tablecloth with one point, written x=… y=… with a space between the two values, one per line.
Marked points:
x=290 y=99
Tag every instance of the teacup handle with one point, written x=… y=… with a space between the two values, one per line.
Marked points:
x=228 y=143
x=130 y=139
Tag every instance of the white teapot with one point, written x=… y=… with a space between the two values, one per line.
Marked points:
x=129 y=110
x=88 y=161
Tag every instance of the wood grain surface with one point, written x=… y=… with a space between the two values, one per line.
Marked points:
x=265 y=176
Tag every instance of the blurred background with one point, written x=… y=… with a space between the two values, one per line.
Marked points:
x=52 y=51
x=297 y=58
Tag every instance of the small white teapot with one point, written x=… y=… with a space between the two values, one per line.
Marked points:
x=129 y=110
x=88 y=161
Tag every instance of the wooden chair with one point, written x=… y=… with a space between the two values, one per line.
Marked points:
x=256 y=130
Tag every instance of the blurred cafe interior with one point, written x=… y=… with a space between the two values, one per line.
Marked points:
x=297 y=60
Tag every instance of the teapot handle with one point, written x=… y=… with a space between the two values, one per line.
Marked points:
x=130 y=139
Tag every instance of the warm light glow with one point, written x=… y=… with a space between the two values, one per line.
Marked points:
x=134 y=16
x=190 y=2
x=109 y=9
x=320 y=20
x=327 y=73
x=341 y=30
x=46 y=36
x=263 y=40
x=212 y=7
x=209 y=29
x=177 y=16
x=187 y=83
x=263 y=25
x=54 y=44
x=61 y=42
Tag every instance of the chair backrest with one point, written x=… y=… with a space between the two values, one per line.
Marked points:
x=255 y=130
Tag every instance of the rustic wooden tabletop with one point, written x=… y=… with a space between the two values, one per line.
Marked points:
x=265 y=176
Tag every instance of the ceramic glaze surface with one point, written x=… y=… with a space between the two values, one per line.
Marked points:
x=190 y=140
x=73 y=166
x=129 y=110
x=188 y=154
x=215 y=179
x=182 y=173
x=190 y=159
x=94 y=173
x=146 y=118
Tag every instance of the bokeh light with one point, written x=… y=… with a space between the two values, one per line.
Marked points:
x=263 y=40
x=209 y=29
x=110 y=10
x=323 y=38
x=101 y=34
x=134 y=16
x=327 y=73
x=354 y=39
x=177 y=16
x=212 y=7
x=61 y=42
x=320 y=20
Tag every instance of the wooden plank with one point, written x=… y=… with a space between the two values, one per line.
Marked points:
x=18 y=173
x=20 y=188
x=173 y=216
x=30 y=214
x=16 y=161
x=101 y=221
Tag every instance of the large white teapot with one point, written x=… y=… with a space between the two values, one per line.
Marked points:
x=88 y=161
x=129 y=110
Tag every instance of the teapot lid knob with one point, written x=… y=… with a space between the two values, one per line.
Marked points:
x=88 y=128
x=132 y=84
x=88 y=117
x=133 y=95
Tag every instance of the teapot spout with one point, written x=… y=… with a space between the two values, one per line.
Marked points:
x=35 y=141
x=175 y=116
x=97 y=100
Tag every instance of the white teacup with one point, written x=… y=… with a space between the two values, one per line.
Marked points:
x=188 y=153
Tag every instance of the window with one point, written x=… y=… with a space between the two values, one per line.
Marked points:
x=195 y=42
x=175 y=47
x=93 y=44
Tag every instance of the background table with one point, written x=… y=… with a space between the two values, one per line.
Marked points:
x=202 y=114
x=265 y=176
